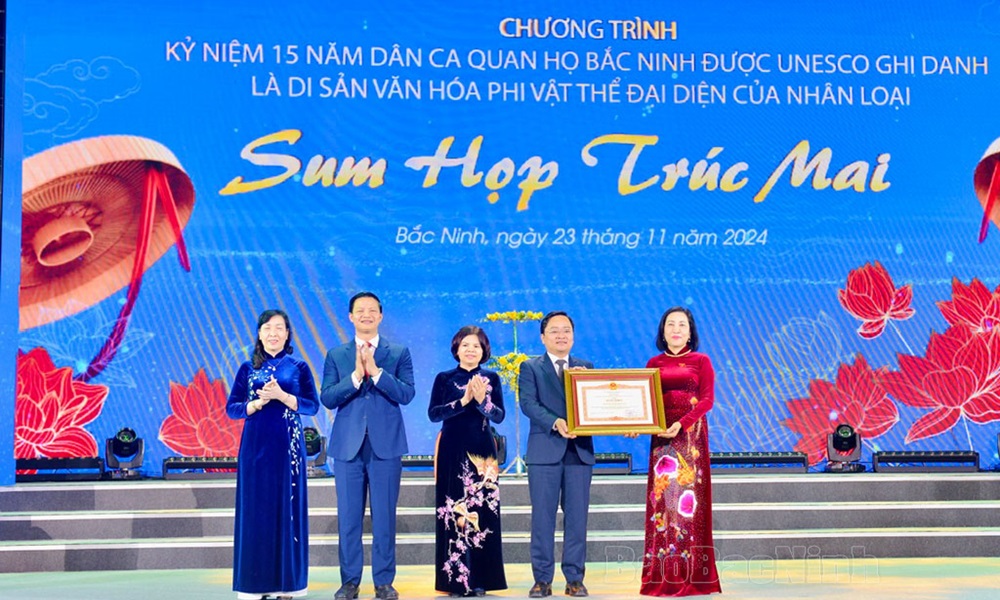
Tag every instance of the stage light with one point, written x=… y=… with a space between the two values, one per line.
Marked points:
x=612 y=463
x=126 y=443
x=199 y=467
x=88 y=468
x=418 y=465
x=759 y=462
x=417 y=460
x=962 y=461
x=843 y=450
x=845 y=439
x=314 y=442
x=124 y=453
x=315 y=453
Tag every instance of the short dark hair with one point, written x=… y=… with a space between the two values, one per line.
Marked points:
x=468 y=330
x=259 y=356
x=661 y=343
x=555 y=313
x=355 y=297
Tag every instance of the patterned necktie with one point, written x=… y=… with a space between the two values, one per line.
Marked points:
x=560 y=367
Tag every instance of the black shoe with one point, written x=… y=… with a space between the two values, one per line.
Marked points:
x=479 y=592
x=576 y=589
x=386 y=592
x=541 y=589
x=348 y=591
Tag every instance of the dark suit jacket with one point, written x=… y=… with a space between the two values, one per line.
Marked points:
x=543 y=399
x=371 y=408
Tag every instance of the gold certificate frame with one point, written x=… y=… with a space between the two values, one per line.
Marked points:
x=614 y=401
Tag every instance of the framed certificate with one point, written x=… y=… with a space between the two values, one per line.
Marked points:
x=614 y=401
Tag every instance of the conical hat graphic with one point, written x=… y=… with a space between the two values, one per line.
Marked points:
x=90 y=227
x=986 y=181
x=82 y=214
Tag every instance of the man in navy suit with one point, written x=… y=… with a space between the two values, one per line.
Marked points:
x=559 y=463
x=367 y=380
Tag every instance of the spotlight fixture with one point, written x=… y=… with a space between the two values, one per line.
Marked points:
x=759 y=462
x=843 y=450
x=612 y=463
x=87 y=468
x=418 y=465
x=314 y=442
x=962 y=461
x=199 y=467
x=315 y=453
x=124 y=453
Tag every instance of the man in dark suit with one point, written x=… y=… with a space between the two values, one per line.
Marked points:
x=559 y=463
x=367 y=380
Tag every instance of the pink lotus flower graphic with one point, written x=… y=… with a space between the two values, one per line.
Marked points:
x=686 y=504
x=666 y=466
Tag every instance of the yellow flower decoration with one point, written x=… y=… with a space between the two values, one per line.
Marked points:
x=514 y=316
x=507 y=367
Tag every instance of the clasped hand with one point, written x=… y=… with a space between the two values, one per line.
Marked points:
x=364 y=362
x=271 y=391
x=475 y=390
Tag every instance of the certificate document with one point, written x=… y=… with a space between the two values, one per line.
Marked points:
x=614 y=401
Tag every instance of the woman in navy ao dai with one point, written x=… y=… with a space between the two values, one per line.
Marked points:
x=466 y=400
x=271 y=540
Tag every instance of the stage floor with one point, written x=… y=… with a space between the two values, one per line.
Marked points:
x=884 y=579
